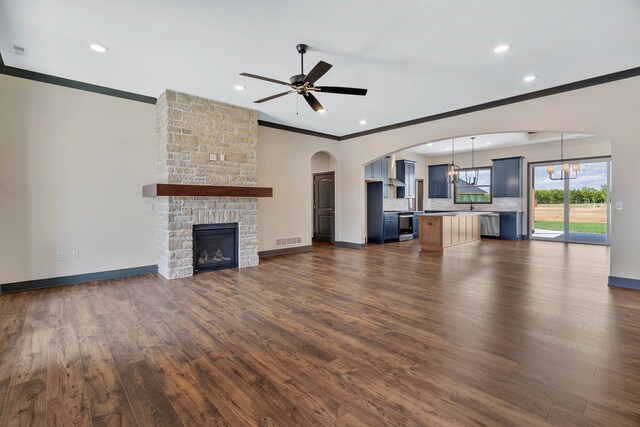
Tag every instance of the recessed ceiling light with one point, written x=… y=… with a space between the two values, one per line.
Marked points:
x=240 y=87
x=98 y=48
x=430 y=144
x=448 y=149
x=529 y=78
x=501 y=48
x=488 y=142
x=363 y=122
x=322 y=111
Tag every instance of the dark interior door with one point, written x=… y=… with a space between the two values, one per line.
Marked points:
x=324 y=205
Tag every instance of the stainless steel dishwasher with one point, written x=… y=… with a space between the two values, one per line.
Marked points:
x=490 y=224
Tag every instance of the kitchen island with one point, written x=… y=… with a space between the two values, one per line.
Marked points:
x=446 y=229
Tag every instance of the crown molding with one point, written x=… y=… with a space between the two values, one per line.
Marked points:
x=297 y=130
x=73 y=84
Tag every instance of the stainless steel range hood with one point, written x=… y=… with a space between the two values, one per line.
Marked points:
x=393 y=181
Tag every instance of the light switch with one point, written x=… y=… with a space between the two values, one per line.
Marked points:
x=222 y=157
x=213 y=156
x=618 y=206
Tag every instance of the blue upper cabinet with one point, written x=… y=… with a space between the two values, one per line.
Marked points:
x=406 y=172
x=507 y=177
x=378 y=170
x=385 y=176
x=439 y=187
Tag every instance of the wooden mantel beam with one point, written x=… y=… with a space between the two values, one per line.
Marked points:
x=177 y=190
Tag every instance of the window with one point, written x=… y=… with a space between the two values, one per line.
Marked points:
x=464 y=192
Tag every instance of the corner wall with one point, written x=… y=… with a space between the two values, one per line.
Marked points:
x=284 y=163
x=72 y=167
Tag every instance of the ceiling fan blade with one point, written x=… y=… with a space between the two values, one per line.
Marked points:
x=269 y=98
x=313 y=102
x=318 y=71
x=254 y=76
x=342 y=90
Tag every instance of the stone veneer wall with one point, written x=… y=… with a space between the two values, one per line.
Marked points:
x=188 y=129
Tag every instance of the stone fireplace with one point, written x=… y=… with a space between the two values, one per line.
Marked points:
x=190 y=131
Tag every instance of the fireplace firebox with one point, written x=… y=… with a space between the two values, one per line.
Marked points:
x=215 y=247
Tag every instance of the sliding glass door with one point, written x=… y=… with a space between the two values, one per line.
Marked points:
x=571 y=210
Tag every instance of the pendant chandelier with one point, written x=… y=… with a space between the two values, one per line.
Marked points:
x=566 y=168
x=471 y=175
x=454 y=171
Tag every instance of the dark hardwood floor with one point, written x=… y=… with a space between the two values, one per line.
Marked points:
x=490 y=333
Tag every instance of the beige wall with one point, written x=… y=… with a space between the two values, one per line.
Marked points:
x=284 y=163
x=322 y=162
x=72 y=167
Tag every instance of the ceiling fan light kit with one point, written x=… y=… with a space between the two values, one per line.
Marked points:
x=304 y=84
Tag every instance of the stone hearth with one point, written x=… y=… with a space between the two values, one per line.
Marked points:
x=189 y=128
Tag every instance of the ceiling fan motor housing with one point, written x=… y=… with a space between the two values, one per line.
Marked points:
x=298 y=80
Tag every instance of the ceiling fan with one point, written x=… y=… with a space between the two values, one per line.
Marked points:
x=303 y=84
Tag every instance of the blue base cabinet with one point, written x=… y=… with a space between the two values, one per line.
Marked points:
x=510 y=225
x=416 y=224
x=390 y=227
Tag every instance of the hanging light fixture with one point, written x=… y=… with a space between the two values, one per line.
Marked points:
x=454 y=170
x=566 y=168
x=471 y=175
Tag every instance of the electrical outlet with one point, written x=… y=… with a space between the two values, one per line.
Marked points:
x=213 y=157
x=148 y=207
x=60 y=256
x=618 y=206
x=75 y=254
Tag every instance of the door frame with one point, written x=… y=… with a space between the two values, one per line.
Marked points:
x=313 y=210
x=531 y=195
x=419 y=194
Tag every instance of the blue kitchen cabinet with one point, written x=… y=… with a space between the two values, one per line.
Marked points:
x=507 y=177
x=510 y=225
x=378 y=170
x=439 y=187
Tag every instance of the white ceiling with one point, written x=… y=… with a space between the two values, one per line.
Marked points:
x=490 y=141
x=417 y=57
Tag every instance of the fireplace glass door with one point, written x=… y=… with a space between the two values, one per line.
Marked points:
x=215 y=247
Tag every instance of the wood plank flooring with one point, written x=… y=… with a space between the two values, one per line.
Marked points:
x=489 y=333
